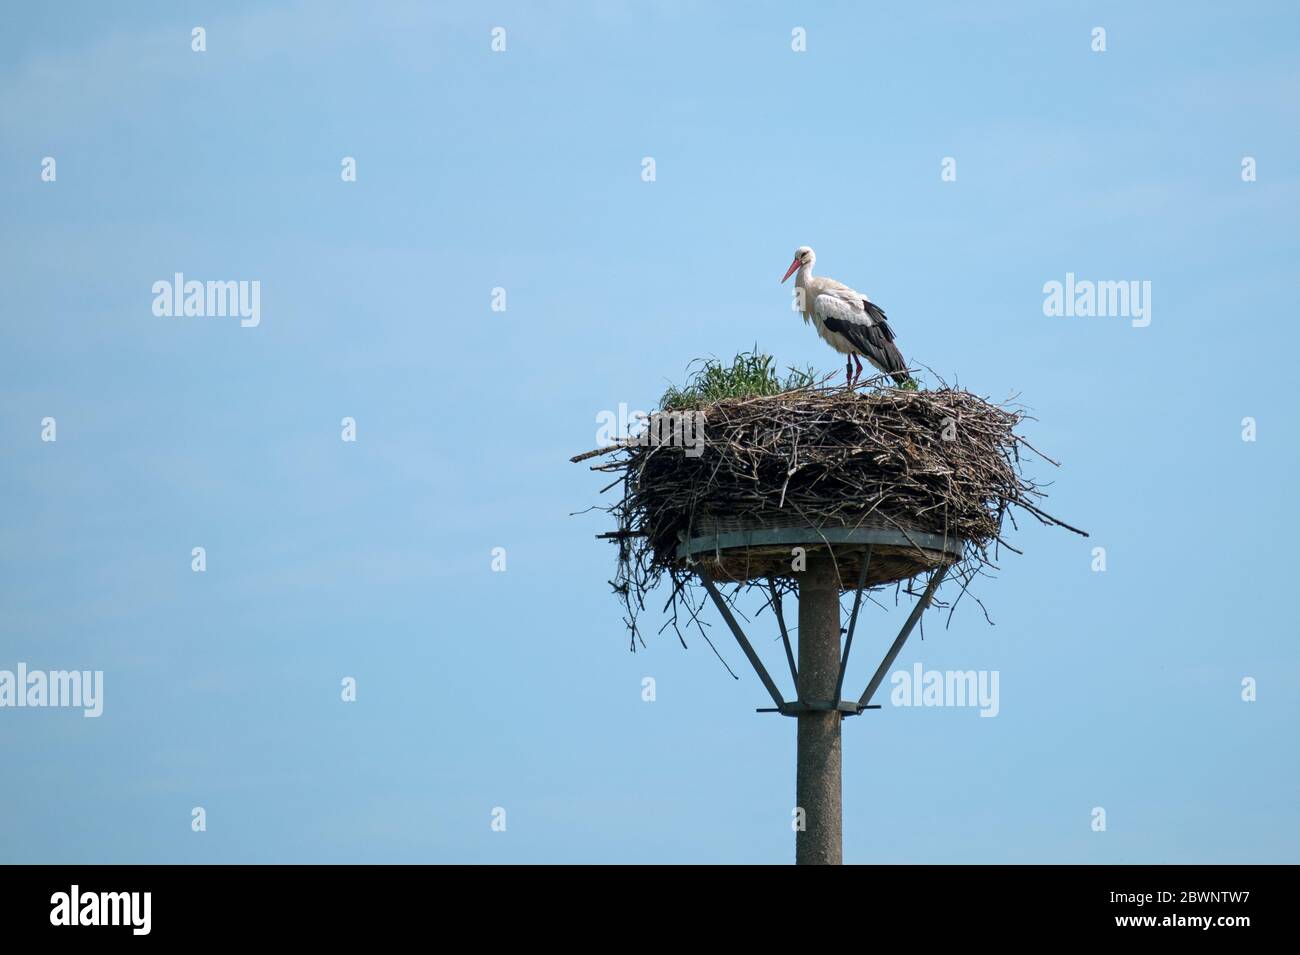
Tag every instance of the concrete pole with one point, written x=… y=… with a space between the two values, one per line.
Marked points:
x=817 y=780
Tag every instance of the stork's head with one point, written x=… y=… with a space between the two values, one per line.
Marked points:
x=802 y=256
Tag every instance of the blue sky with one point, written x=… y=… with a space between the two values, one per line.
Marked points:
x=522 y=170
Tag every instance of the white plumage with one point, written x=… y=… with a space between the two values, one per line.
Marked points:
x=846 y=320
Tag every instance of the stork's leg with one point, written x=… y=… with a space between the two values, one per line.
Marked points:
x=858 y=372
x=848 y=371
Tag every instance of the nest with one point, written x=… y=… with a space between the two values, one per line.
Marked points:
x=732 y=486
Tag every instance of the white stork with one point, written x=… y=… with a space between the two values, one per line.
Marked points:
x=846 y=320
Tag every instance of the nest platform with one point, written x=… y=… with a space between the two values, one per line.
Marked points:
x=760 y=546
x=920 y=480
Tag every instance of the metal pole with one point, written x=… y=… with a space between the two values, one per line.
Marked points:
x=818 y=777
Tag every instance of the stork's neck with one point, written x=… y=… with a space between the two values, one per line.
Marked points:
x=804 y=275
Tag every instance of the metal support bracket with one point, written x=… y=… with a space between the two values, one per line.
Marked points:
x=853 y=621
x=847 y=707
x=903 y=634
x=740 y=638
x=785 y=634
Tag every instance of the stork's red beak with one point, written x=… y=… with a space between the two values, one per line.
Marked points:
x=793 y=268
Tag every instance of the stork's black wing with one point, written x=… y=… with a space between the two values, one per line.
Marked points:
x=867 y=331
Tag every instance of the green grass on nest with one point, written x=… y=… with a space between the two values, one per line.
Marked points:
x=750 y=375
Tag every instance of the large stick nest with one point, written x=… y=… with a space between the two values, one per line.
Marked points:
x=943 y=462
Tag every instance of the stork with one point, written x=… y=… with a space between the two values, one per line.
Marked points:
x=846 y=320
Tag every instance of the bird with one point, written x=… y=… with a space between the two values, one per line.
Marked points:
x=846 y=320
